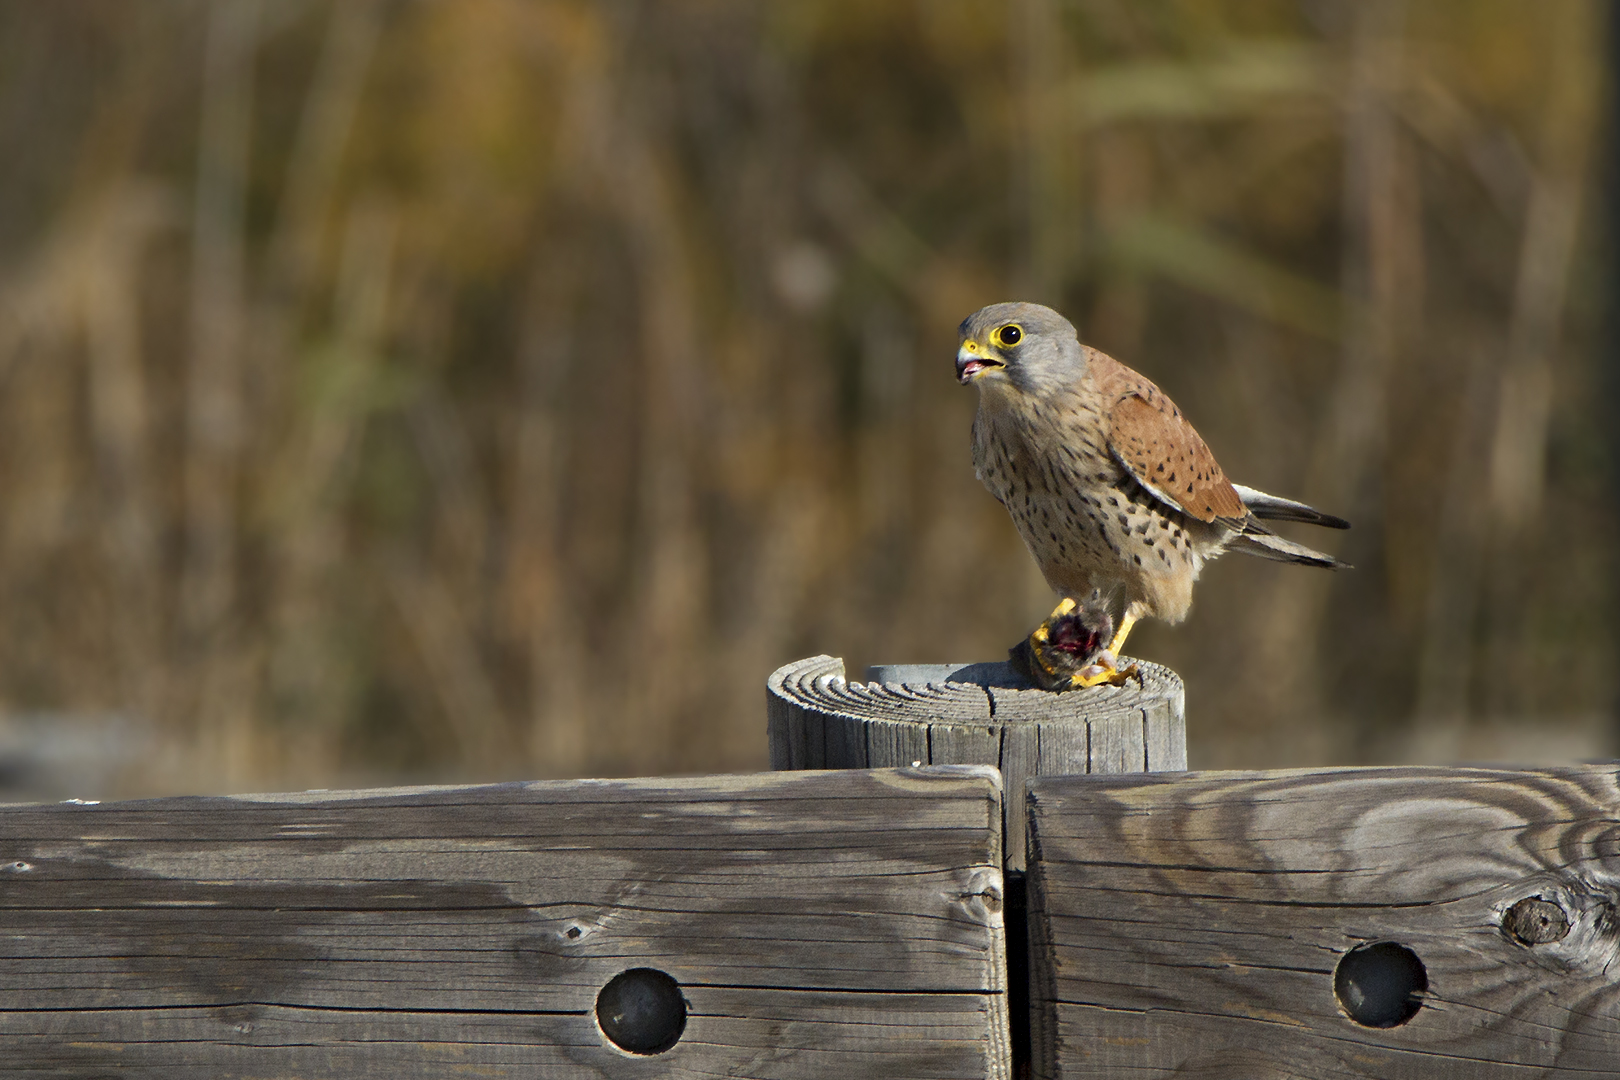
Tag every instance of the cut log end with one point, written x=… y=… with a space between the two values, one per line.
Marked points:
x=974 y=714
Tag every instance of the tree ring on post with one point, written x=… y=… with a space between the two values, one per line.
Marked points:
x=974 y=714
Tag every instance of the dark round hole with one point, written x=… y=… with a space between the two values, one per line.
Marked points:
x=1378 y=985
x=642 y=1011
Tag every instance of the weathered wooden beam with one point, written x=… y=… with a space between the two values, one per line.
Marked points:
x=1389 y=923
x=831 y=924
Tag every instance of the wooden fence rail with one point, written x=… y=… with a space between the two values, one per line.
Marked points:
x=838 y=924
x=1235 y=926
x=1358 y=923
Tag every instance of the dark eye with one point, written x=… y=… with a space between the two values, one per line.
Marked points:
x=1008 y=336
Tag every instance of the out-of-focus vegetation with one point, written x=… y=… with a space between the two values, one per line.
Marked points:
x=504 y=387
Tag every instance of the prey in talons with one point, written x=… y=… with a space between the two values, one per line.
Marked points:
x=1075 y=647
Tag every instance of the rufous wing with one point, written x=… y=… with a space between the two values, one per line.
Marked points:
x=1150 y=438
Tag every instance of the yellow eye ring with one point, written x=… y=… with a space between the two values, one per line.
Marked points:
x=1009 y=335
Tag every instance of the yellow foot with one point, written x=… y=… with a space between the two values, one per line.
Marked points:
x=1069 y=649
x=1104 y=668
x=1043 y=632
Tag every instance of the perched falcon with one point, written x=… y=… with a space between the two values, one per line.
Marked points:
x=1109 y=485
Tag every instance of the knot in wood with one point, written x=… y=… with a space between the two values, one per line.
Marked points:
x=1534 y=921
x=984 y=889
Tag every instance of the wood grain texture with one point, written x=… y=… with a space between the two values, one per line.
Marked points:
x=973 y=714
x=836 y=923
x=1191 y=926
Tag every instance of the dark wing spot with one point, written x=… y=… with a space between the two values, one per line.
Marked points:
x=1138 y=559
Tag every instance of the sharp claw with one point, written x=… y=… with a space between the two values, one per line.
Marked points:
x=1100 y=673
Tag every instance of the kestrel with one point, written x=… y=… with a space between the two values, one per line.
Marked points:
x=1110 y=487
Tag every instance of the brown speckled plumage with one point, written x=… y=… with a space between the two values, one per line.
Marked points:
x=1109 y=485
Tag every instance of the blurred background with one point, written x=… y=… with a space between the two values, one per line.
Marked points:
x=398 y=391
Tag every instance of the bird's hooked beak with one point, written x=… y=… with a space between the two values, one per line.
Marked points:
x=973 y=361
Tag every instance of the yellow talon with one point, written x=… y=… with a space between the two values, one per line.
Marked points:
x=1117 y=646
x=1041 y=632
x=1098 y=674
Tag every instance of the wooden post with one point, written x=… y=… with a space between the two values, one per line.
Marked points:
x=978 y=714
x=974 y=714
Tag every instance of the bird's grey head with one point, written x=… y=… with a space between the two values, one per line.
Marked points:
x=1024 y=347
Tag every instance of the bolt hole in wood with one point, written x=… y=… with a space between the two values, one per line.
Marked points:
x=641 y=1011
x=1534 y=921
x=1379 y=985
